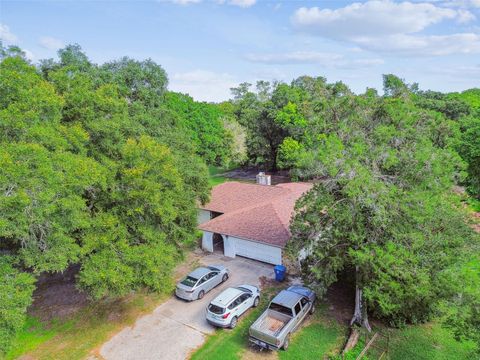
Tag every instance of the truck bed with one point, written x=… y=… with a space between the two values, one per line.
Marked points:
x=271 y=324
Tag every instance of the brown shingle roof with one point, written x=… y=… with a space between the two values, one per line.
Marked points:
x=255 y=212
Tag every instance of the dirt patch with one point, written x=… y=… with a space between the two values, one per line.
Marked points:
x=26 y=357
x=341 y=301
x=266 y=282
x=56 y=296
x=252 y=353
x=191 y=261
x=249 y=174
x=476 y=225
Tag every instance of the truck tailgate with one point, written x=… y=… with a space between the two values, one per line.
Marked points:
x=268 y=327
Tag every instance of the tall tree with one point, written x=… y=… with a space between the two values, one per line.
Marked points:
x=96 y=170
x=383 y=209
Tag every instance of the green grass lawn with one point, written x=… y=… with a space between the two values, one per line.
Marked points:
x=316 y=340
x=75 y=337
x=33 y=334
x=474 y=204
x=415 y=342
x=216 y=177
x=428 y=342
x=227 y=344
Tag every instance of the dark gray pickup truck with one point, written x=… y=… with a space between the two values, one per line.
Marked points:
x=284 y=314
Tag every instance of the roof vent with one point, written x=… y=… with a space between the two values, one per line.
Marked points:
x=263 y=179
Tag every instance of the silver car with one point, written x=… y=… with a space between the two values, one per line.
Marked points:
x=226 y=308
x=200 y=281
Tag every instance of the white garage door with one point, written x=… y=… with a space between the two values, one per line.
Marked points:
x=257 y=251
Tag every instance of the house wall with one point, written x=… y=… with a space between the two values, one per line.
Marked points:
x=207 y=241
x=203 y=216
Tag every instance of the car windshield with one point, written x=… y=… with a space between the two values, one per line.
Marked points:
x=189 y=281
x=281 y=309
x=216 y=309
x=244 y=289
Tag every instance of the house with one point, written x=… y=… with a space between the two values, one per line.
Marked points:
x=250 y=220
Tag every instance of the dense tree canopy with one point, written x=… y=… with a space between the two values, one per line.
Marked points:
x=101 y=166
x=382 y=209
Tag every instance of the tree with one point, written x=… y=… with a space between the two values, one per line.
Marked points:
x=383 y=208
x=72 y=56
x=461 y=312
x=237 y=134
x=12 y=51
x=16 y=290
x=151 y=218
x=96 y=169
x=203 y=124
x=269 y=116
x=139 y=81
x=469 y=149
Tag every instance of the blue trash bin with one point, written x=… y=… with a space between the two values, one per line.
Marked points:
x=280 y=272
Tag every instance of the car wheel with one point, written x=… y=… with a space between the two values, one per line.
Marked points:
x=225 y=277
x=200 y=294
x=233 y=323
x=256 y=301
x=312 y=309
x=286 y=343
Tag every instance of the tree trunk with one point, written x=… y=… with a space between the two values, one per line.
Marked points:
x=360 y=315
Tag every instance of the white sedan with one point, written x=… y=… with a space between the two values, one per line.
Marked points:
x=226 y=308
x=200 y=281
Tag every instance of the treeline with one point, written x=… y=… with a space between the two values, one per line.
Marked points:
x=384 y=210
x=283 y=121
x=102 y=166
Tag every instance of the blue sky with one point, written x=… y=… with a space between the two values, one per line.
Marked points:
x=208 y=46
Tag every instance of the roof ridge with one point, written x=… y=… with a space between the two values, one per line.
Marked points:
x=278 y=216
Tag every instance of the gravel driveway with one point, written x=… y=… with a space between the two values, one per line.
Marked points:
x=176 y=327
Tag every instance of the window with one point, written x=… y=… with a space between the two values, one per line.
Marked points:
x=203 y=279
x=189 y=281
x=216 y=309
x=281 y=309
x=210 y=275
x=234 y=303
x=298 y=308
x=244 y=297
x=304 y=301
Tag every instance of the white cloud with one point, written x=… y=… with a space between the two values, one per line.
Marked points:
x=185 y=2
x=313 y=57
x=242 y=3
x=203 y=85
x=458 y=73
x=462 y=3
x=28 y=54
x=296 y=57
x=465 y=16
x=371 y=18
x=51 y=43
x=430 y=45
x=6 y=35
x=386 y=26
